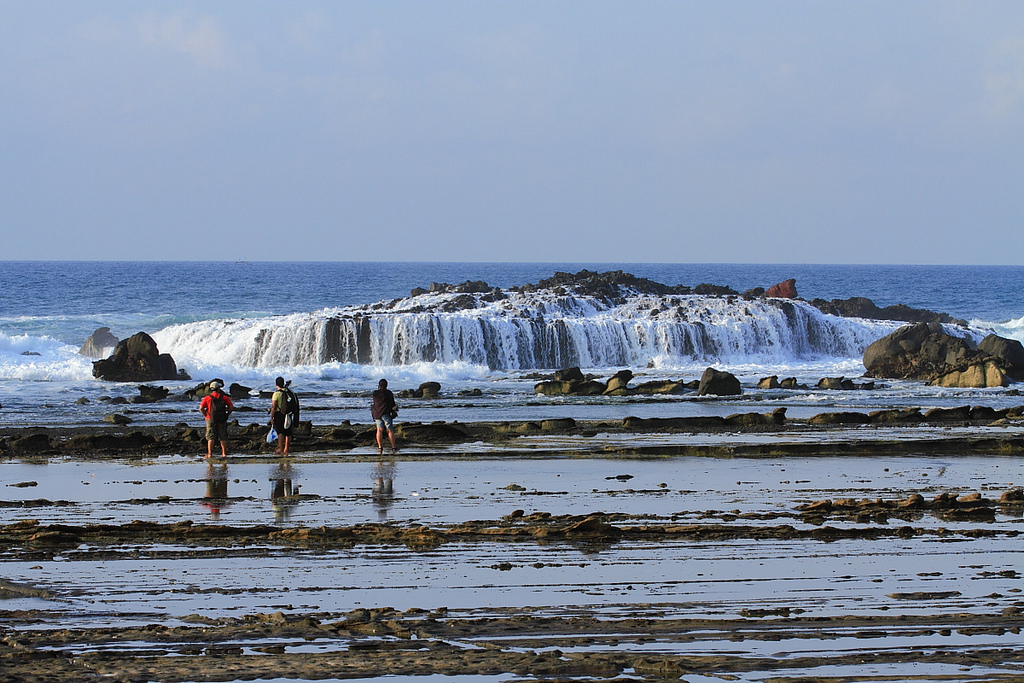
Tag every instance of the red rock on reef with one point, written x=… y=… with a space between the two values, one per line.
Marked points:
x=783 y=290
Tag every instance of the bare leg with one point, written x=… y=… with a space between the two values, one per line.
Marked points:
x=224 y=449
x=380 y=439
x=209 y=449
x=391 y=437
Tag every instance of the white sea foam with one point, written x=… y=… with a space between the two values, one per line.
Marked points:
x=29 y=358
x=1010 y=329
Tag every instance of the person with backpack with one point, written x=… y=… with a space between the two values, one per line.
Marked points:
x=284 y=415
x=384 y=410
x=216 y=407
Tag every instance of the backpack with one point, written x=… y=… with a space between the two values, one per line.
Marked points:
x=218 y=408
x=291 y=408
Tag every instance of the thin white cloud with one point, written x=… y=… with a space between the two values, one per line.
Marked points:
x=310 y=31
x=1004 y=85
x=200 y=38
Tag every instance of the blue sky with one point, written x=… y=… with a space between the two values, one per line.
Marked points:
x=747 y=132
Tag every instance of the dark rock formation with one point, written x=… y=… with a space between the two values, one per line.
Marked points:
x=775 y=418
x=617 y=384
x=425 y=390
x=98 y=342
x=1010 y=351
x=237 y=391
x=610 y=285
x=570 y=381
x=660 y=387
x=429 y=389
x=137 y=359
x=431 y=433
x=924 y=351
x=719 y=383
x=713 y=290
x=861 y=307
x=839 y=418
x=150 y=394
x=842 y=384
x=784 y=290
x=203 y=388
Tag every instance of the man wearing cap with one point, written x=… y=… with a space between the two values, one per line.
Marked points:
x=216 y=406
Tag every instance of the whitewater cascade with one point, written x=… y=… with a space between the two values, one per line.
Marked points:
x=520 y=330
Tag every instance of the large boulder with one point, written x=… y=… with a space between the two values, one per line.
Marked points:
x=719 y=383
x=919 y=351
x=137 y=359
x=1010 y=351
x=925 y=351
x=98 y=343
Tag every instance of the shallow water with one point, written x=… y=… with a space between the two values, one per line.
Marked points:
x=429 y=488
x=948 y=569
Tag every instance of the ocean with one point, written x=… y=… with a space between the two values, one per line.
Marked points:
x=249 y=322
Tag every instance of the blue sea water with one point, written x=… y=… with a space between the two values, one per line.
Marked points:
x=48 y=309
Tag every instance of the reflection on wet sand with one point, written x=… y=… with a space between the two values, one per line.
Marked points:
x=216 y=497
x=284 y=494
x=384 y=487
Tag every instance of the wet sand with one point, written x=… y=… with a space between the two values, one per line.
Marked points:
x=518 y=551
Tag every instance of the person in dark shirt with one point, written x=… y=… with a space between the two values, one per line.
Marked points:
x=384 y=410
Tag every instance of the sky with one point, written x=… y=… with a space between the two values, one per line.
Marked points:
x=568 y=131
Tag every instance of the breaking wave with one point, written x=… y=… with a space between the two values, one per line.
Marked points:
x=523 y=330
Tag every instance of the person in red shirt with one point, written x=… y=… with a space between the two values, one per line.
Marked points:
x=216 y=406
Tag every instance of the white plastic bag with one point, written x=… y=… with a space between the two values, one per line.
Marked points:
x=288 y=421
x=272 y=435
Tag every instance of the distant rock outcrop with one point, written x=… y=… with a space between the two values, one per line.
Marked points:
x=925 y=351
x=137 y=359
x=861 y=307
x=98 y=343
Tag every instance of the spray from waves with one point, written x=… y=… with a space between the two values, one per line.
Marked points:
x=44 y=359
x=516 y=330
x=1010 y=329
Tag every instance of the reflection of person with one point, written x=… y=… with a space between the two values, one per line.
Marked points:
x=216 y=489
x=216 y=406
x=283 y=494
x=384 y=410
x=283 y=407
x=384 y=487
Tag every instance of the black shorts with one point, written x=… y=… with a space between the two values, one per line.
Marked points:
x=279 y=425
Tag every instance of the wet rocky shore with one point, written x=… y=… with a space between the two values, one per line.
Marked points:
x=846 y=546
x=336 y=440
